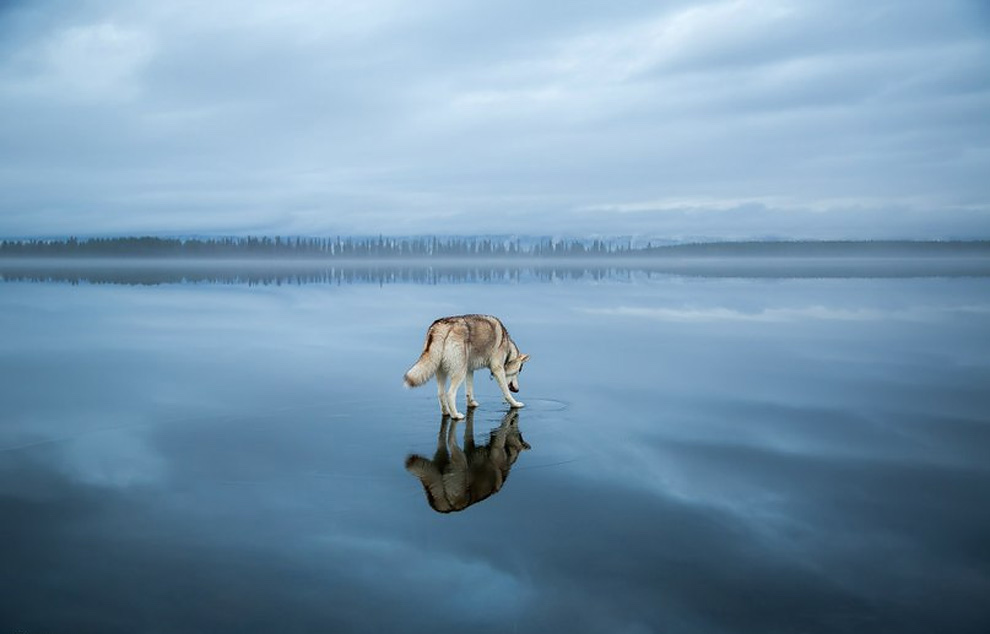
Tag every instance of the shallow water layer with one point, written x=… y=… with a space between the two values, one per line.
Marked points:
x=705 y=454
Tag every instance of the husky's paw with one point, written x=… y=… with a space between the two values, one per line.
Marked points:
x=457 y=416
x=473 y=403
x=517 y=405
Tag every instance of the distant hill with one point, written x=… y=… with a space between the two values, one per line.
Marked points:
x=824 y=249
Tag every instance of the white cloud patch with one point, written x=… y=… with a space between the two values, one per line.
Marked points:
x=87 y=63
x=476 y=580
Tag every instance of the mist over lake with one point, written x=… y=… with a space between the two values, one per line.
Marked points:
x=727 y=447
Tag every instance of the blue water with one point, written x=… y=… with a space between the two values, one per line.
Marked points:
x=707 y=454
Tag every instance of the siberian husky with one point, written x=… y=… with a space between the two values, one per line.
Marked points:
x=456 y=347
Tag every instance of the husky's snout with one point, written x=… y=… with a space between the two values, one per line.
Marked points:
x=513 y=388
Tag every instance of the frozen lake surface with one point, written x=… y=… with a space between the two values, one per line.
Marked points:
x=712 y=452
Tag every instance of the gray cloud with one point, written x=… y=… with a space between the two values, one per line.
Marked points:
x=825 y=120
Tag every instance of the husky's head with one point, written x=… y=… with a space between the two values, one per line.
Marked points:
x=512 y=369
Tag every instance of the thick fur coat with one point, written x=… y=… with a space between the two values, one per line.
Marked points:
x=456 y=347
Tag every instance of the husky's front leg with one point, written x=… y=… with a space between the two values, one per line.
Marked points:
x=470 y=390
x=499 y=374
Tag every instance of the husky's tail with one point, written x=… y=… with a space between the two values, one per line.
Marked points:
x=426 y=366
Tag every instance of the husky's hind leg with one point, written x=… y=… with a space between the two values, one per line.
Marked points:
x=442 y=392
x=470 y=390
x=455 y=382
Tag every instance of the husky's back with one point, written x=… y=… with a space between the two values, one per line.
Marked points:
x=455 y=345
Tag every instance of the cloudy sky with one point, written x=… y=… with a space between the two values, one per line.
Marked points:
x=738 y=118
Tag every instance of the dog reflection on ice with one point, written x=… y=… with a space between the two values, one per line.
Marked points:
x=457 y=478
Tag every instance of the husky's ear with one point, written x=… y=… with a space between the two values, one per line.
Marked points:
x=523 y=358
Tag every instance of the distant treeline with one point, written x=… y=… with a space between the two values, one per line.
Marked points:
x=277 y=246
x=479 y=247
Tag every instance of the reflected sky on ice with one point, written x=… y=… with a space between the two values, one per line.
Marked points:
x=707 y=454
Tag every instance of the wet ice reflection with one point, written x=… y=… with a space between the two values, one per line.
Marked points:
x=458 y=476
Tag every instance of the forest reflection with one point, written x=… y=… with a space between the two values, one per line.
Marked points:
x=279 y=273
x=457 y=477
x=274 y=272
